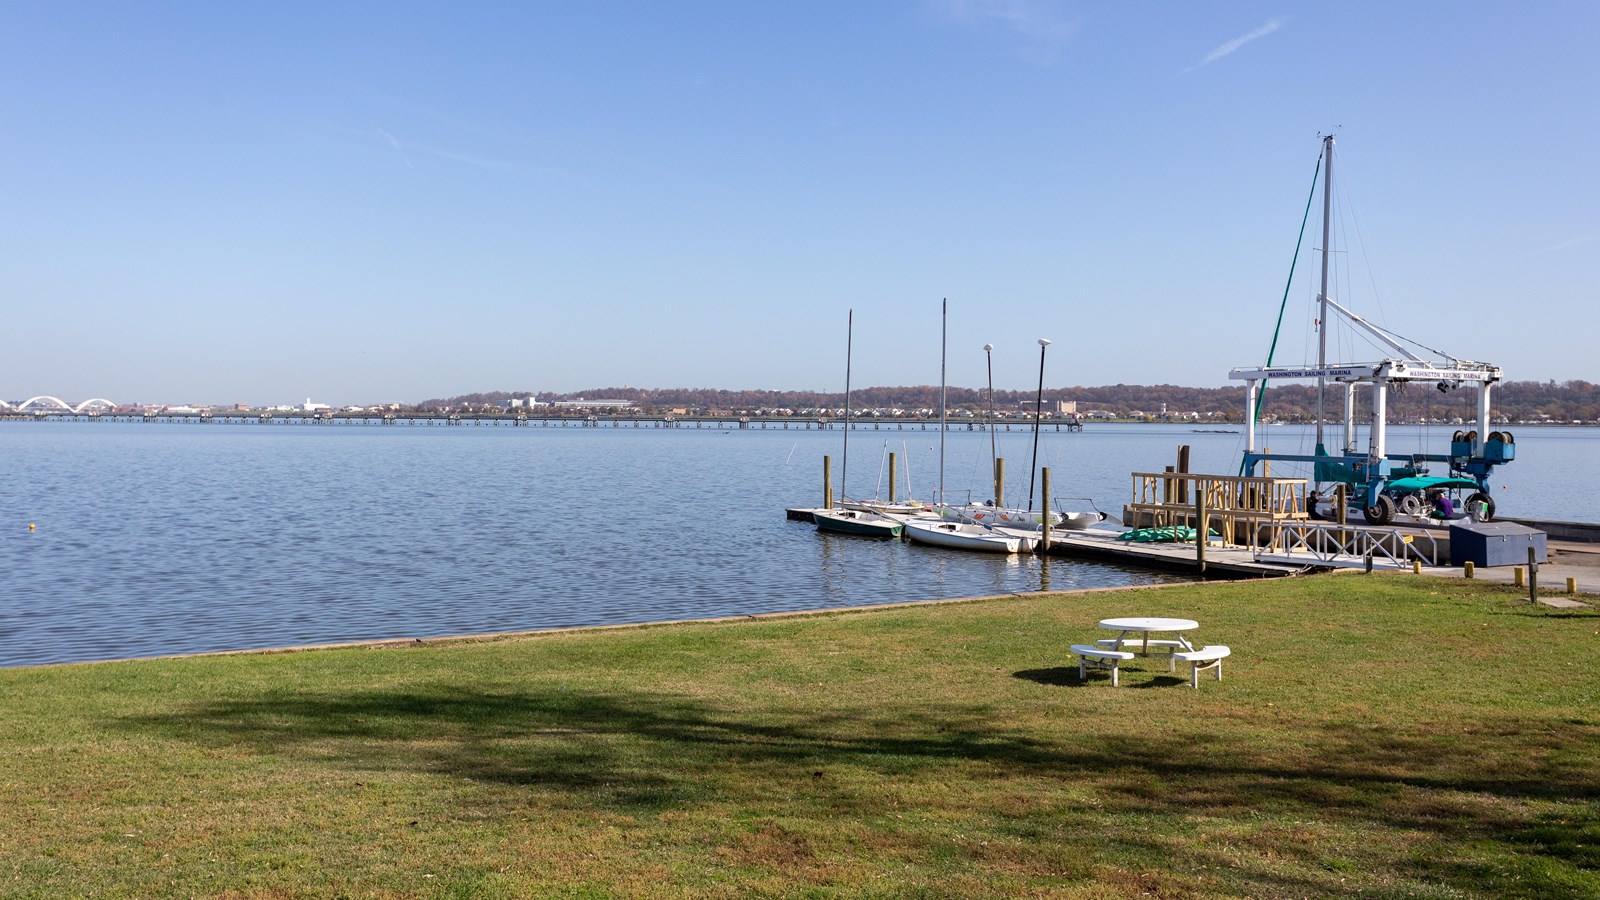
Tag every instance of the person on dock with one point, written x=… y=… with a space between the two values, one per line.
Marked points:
x=1444 y=508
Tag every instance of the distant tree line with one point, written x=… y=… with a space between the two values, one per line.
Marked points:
x=1567 y=401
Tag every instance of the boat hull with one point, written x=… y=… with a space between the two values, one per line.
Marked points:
x=1078 y=521
x=962 y=536
x=856 y=522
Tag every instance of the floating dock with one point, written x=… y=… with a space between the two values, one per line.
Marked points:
x=1102 y=544
x=1429 y=545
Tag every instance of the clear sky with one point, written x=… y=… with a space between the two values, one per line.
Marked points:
x=388 y=201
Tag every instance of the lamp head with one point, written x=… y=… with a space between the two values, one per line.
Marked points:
x=1043 y=342
x=988 y=348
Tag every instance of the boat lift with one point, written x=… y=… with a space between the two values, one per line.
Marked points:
x=1473 y=454
x=1392 y=482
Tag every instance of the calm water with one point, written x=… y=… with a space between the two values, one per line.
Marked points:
x=157 y=539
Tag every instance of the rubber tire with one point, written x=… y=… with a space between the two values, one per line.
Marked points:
x=1473 y=500
x=1382 y=512
x=1412 y=505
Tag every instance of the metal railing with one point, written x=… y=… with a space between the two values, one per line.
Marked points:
x=1333 y=544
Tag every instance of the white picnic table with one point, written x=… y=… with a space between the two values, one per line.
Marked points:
x=1134 y=634
x=1141 y=627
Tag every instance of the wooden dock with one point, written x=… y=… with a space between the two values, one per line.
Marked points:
x=1102 y=544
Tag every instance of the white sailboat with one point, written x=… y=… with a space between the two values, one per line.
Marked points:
x=963 y=536
x=866 y=523
x=946 y=530
x=995 y=513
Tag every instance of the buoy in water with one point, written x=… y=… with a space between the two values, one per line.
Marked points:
x=30 y=526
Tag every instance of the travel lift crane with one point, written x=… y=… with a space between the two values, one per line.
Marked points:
x=1393 y=482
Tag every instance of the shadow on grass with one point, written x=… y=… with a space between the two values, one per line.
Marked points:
x=1056 y=676
x=1468 y=785
x=1067 y=676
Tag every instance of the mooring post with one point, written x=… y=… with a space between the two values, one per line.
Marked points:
x=1044 y=486
x=1000 y=482
x=1169 y=492
x=827 y=482
x=1533 y=577
x=1183 y=469
x=891 y=478
x=1201 y=530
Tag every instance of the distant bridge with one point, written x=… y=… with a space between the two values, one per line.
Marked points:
x=54 y=403
x=727 y=422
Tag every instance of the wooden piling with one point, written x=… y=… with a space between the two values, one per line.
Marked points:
x=827 y=482
x=1169 y=496
x=1044 y=531
x=1183 y=469
x=891 y=477
x=1000 y=482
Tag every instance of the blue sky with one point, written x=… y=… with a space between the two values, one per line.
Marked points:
x=373 y=202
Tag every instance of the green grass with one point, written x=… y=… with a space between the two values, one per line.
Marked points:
x=1382 y=736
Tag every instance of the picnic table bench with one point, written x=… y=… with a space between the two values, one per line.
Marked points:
x=1104 y=658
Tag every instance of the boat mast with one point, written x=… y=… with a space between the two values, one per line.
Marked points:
x=994 y=454
x=1038 y=409
x=844 y=464
x=944 y=316
x=1322 y=294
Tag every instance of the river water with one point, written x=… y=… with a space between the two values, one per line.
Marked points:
x=161 y=538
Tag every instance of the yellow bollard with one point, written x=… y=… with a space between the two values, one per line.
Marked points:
x=1572 y=585
x=1516 y=576
x=1468 y=570
x=1416 y=567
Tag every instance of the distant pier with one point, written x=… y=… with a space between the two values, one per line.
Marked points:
x=509 y=420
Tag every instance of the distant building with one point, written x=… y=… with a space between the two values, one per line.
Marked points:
x=314 y=407
x=592 y=404
x=1053 y=407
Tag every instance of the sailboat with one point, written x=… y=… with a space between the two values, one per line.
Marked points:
x=847 y=520
x=947 y=530
x=995 y=512
x=1382 y=483
x=901 y=508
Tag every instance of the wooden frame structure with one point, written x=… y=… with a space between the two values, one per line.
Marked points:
x=1237 y=507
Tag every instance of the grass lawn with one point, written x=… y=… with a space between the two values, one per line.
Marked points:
x=1387 y=736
